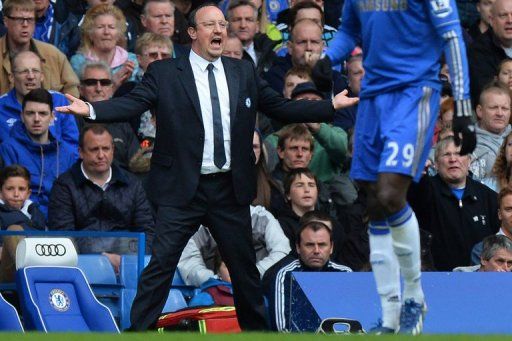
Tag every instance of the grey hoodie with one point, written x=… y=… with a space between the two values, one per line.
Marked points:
x=269 y=240
x=487 y=148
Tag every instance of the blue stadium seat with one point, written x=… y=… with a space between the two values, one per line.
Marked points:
x=128 y=280
x=59 y=299
x=9 y=319
x=97 y=269
x=102 y=279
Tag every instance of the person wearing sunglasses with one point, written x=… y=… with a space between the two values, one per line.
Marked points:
x=27 y=74
x=96 y=84
x=19 y=20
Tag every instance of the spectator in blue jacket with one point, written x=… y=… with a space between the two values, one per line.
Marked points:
x=27 y=75
x=32 y=145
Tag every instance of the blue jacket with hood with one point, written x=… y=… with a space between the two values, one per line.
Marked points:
x=45 y=162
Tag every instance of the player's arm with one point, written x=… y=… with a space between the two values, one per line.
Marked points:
x=446 y=21
x=340 y=47
x=348 y=35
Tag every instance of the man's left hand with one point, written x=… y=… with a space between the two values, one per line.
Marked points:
x=341 y=100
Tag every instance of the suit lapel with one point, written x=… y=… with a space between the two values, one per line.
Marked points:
x=232 y=71
x=189 y=83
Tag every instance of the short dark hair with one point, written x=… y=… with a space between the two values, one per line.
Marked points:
x=95 y=128
x=39 y=96
x=316 y=215
x=315 y=226
x=192 y=16
x=300 y=6
x=294 y=174
x=12 y=171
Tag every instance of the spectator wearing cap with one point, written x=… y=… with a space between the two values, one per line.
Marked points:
x=330 y=143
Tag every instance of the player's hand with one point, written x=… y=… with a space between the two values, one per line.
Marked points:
x=464 y=128
x=341 y=100
x=76 y=107
x=322 y=74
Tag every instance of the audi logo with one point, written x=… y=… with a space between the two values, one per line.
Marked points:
x=50 y=249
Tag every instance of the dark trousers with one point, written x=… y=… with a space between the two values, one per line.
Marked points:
x=214 y=206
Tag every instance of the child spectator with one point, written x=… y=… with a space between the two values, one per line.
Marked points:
x=17 y=213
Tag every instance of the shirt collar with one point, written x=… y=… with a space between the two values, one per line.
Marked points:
x=203 y=63
x=105 y=185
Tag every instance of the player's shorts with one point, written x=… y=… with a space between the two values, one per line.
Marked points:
x=393 y=133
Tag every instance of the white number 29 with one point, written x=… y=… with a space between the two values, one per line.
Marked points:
x=407 y=154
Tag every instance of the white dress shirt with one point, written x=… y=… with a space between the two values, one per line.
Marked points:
x=200 y=71
x=252 y=52
x=199 y=68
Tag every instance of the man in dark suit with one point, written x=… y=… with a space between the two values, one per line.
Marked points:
x=202 y=168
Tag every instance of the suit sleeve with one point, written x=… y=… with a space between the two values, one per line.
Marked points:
x=142 y=98
x=276 y=106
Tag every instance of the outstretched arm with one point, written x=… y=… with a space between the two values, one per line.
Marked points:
x=76 y=107
x=448 y=27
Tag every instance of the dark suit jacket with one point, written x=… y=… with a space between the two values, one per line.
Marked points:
x=169 y=87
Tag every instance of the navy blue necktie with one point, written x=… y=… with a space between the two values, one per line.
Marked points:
x=219 y=155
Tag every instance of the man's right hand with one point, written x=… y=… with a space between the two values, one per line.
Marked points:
x=76 y=107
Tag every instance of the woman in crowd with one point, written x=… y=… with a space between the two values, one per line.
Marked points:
x=502 y=169
x=102 y=35
x=264 y=182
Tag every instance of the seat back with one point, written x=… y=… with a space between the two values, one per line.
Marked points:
x=97 y=269
x=9 y=319
x=59 y=299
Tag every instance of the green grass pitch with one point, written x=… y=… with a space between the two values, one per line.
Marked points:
x=235 y=337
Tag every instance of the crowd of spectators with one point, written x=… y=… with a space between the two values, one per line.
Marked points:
x=308 y=215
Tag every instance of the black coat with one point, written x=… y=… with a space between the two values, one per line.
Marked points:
x=264 y=48
x=456 y=225
x=169 y=87
x=485 y=55
x=10 y=216
x=76 y=204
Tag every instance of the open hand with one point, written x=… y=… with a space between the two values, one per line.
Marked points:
x=341 y=100
x=123 y=74
x=76 y=107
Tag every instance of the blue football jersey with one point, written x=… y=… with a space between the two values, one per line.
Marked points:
x=402 y=43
